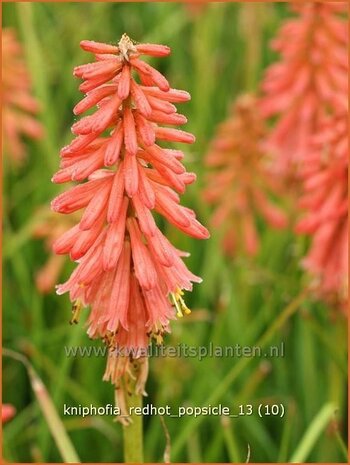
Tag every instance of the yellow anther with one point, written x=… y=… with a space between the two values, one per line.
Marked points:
x=187 y=310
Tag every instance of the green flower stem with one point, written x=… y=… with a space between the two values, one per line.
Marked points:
x=133 y=433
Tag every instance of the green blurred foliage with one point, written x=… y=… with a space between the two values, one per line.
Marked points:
x=215 y=56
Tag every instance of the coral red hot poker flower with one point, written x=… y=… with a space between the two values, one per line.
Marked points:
x=239 y=184
x=127 y=271
x=304 y=85
x=325 y=201
x=307 y=91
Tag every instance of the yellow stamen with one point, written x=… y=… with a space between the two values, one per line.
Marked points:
x=184 y=307
x=179 y=291
x=157 y=333
x=76 y=309
x=179 y=303
x=176 y=303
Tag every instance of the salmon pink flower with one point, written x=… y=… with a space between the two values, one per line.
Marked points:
x=239 y=185
x=19 y=107
x=127 y=271
x=303 y=86
x=325 y=201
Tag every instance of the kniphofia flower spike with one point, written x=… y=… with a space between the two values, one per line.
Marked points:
x=304 y=85
x=325 y=202
x=128 y=272
x=239 y=185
